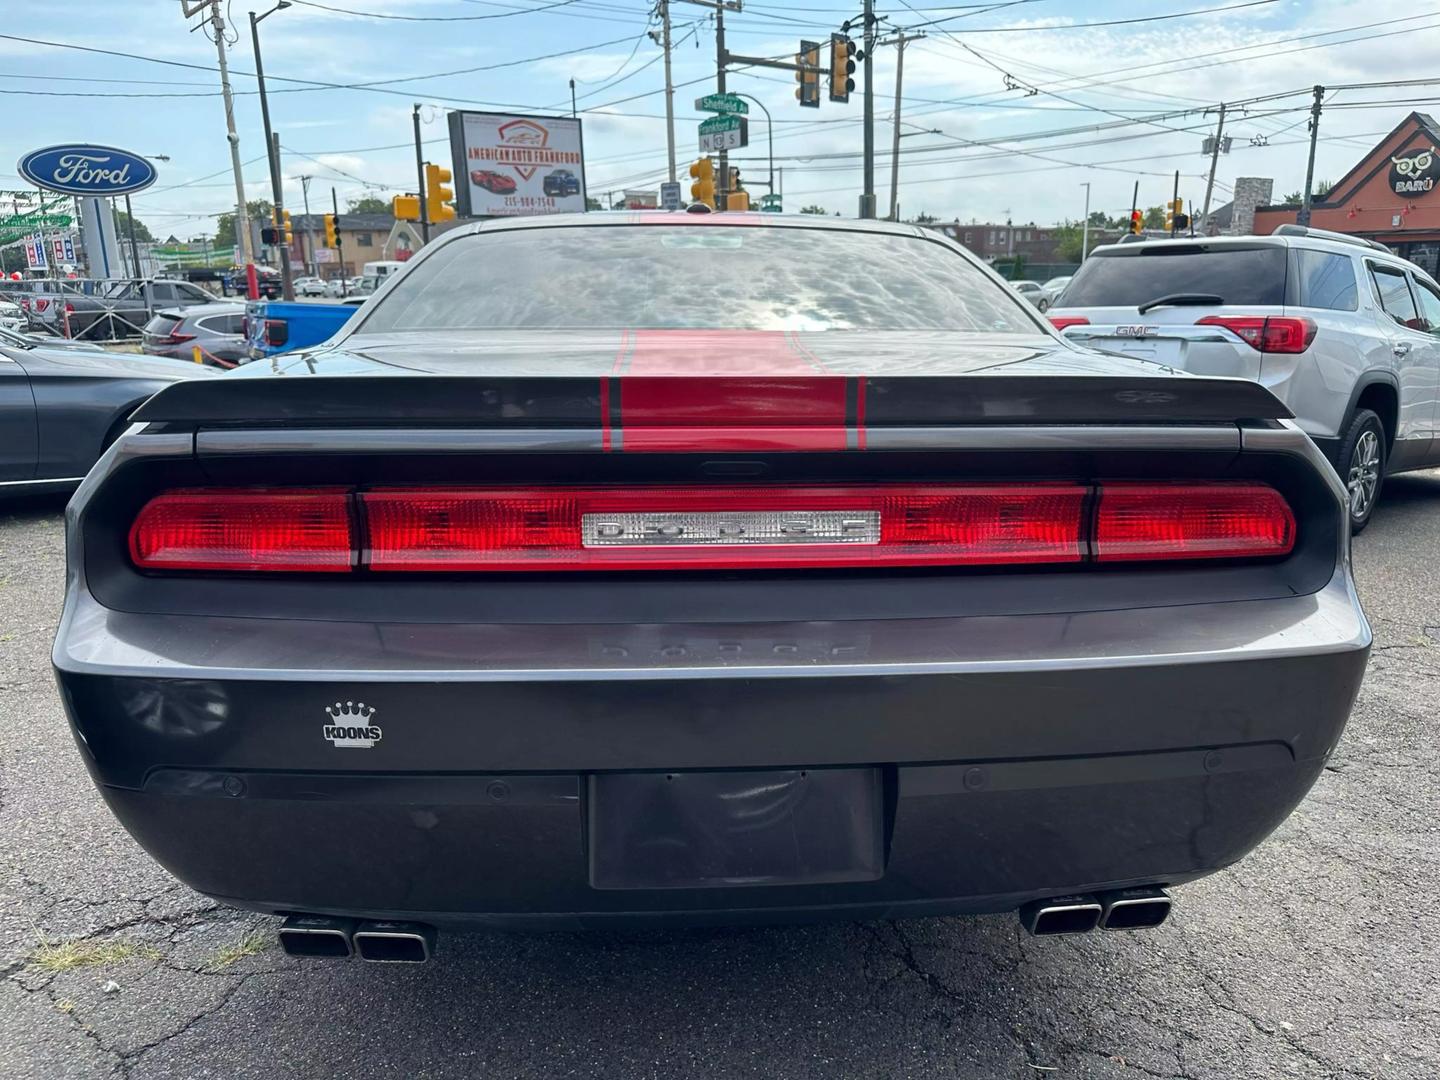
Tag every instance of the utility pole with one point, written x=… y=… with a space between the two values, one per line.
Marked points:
x=339 y=243
x=867 y=197
x=1214 y=162
x=420 y=177
x=311 y=267
x=899 y=40
x=669 y=88
x=1174 y=198
x=1085 y=230
x=1135 y=204
x=1303 y=217
x=242 y=218
x=721 y=59
x=272 y=141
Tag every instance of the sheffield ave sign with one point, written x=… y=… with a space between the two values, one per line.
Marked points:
x=1415 y=171
x=83 y=169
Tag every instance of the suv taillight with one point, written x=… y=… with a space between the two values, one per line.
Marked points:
x=430 y=530
x=1267 y=333
x=1062 y=322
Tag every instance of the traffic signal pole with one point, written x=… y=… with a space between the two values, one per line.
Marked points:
x=339 y=244
x=867 y=197
x=720 y=89
x=1174 y=198
x=272 y=143
x=420 y=177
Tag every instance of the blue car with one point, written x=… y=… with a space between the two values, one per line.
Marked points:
x=561 y=182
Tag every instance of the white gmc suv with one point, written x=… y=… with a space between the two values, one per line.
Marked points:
x=1343 y=331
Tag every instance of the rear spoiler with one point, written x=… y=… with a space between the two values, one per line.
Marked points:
x=715 y=412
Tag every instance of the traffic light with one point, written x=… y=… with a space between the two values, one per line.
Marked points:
x=282 y=223
x=842 y=66
x=437 y=196
x=331 y=238
x=406 y=207
x=808 y=92
x=1175 y=215
x=1137 y=222
x=703 y=189
x=736 y=198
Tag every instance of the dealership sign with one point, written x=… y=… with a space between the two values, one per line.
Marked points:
x=1415 y=172
x=82 y=169
x=509 y=166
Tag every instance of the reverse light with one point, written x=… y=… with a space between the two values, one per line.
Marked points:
x=723 y=527
x=1191 y=521
x=1267 y=333
x=282 y=529
x=1064 y=322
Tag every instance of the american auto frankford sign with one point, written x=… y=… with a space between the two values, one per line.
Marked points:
x=507 y=165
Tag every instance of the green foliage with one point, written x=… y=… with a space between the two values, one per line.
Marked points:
x=812 y=209
x=925 y=219
x=122 y=227
x=1069 y=240
x=1154 y=217
x=368 y=204
x=593 y=204
x=259 y=211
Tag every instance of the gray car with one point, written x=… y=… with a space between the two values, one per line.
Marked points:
x=61 y=407
x=217 y=329
x=850 y=590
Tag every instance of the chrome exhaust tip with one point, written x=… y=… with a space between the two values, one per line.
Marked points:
x=1061 y=915
x=1134 y=909
x=317 y=935
x=394 y=942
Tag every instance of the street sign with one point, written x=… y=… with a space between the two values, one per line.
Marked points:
x=670 y=195
x=722 y=103
x=724 y=133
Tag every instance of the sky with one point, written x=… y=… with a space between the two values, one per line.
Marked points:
x=1007 y=108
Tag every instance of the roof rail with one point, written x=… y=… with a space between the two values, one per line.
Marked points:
x=1327 y=234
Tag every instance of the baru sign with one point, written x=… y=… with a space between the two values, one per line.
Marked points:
x=1415 y=172
x=508 y=166
x=86 y=170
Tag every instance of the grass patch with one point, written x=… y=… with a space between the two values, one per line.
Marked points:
x=251 y=944
x=68 y=955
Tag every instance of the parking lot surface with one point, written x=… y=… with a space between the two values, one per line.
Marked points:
x=1315 y=957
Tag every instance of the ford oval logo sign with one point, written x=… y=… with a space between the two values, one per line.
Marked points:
x=81 y=169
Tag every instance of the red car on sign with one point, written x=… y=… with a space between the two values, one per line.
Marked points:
x=493 y=182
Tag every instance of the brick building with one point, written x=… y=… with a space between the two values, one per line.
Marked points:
x=1390 y=196
x=363 y=238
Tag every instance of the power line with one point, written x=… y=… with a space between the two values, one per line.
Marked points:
x=1089 y=25
x=431 y=18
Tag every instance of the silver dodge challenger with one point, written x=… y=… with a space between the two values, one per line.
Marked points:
x=686 y=569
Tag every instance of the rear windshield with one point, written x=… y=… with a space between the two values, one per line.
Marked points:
x=696 y=276
x=161 y=325
x=1250 y=276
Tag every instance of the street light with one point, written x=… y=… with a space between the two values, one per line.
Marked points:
x=769 y=134
x=272 y=147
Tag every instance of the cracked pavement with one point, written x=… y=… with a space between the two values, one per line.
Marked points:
x=1317 y=956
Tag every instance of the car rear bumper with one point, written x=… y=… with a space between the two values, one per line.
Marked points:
x=967 y=764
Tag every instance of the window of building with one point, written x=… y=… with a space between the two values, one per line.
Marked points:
x=364 y=238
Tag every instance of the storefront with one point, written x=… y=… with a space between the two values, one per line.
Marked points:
x=1390 y=195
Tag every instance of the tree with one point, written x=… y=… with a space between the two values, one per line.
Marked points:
x=925 y=219
x=1295 y=198
x=593 y=204
x=1098 y=220
x=1154 y=217
x=812 y=209
x=259 y=210
x=122 y=226
x=367 y=204
x=1069 y=240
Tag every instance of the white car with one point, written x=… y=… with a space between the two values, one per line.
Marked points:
x=309 y=286
x=1034 y=292
x=333 y=287
x=1054 y=287
x=1340 y=329
x=11 y=317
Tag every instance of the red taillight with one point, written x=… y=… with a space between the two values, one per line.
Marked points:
x=1267 y=333
x=1062 y=322
x=722 y=528
x=277 y=332
x=707 y=528
x=69 y=308
x=178 y=339
x=1191 y=521
x=296 y=529
x=41 y=304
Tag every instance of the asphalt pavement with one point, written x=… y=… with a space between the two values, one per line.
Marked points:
x=1317 y=956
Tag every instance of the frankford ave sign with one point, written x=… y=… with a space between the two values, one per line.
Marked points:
x=722 y=103
x=83 y=169
x=724 y=133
